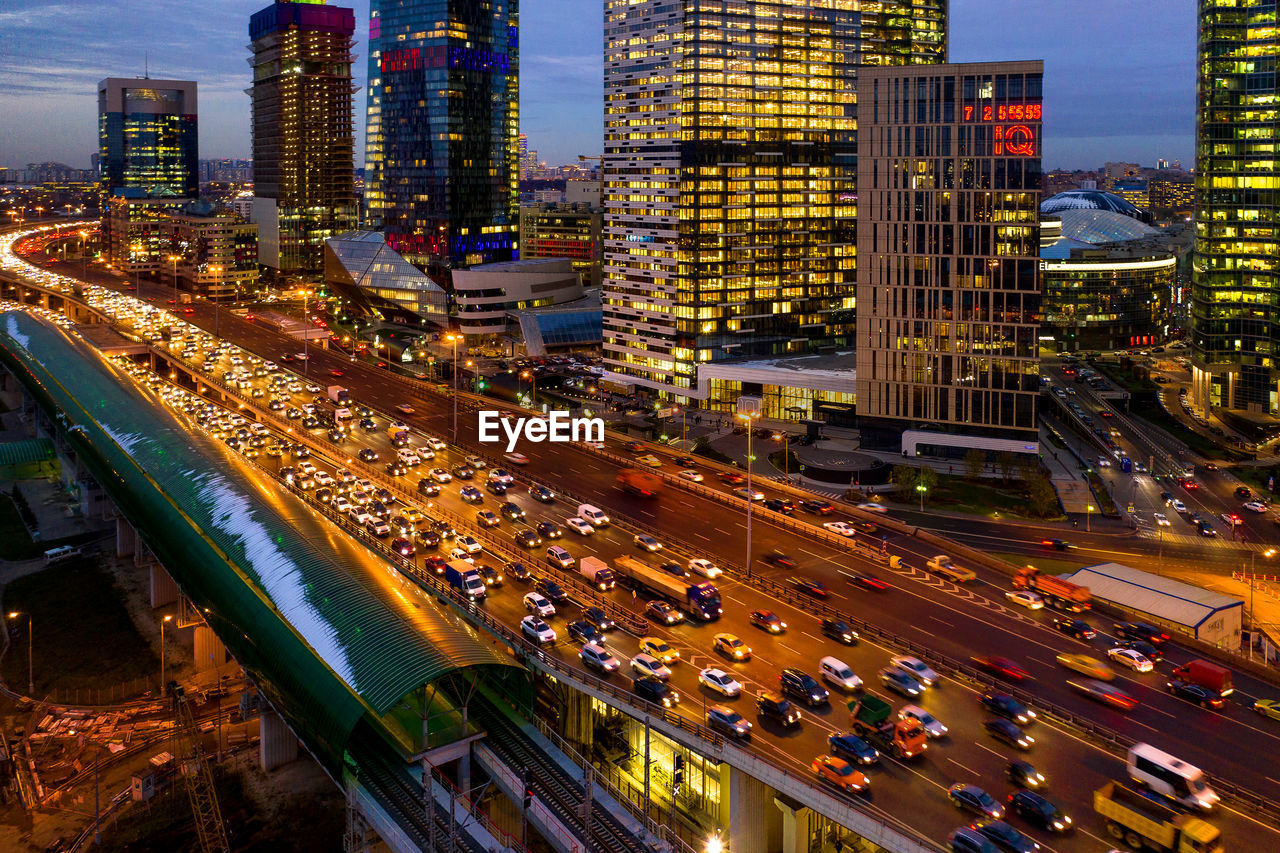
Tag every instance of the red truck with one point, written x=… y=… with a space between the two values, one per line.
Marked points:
x=1208 y=675
x=1056 y=592
x=644 y=484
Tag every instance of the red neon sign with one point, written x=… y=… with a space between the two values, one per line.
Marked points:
x=1003 y=112
x=1016 y=141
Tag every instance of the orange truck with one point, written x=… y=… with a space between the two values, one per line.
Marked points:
x=1056 y=592
x=645 y=484
x=870 y=718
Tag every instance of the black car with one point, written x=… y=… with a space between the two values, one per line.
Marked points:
x=380 y=510
x=1009 y=733
x=779 y=559
x=396 y=468
x=1077 y=628
x=464 y=472
x=1035 y=809
x=300 y=451
x=511 y=512
x=1140 y=631
x=802 y=686
x=552 y=591
x=445 y=529
x=490 y=575
x=1024 y=775
x=519 y=572
x=781 y=505
x=685 y=461
x=428 y=539
x=839 y=631
x=596 y=616
x=403 y=547
x=853 y=748
x=1145 y=649
x=1167 y=497
x=728 y=721
x=527 y=538
x=368 y=454
x=1243 y=493
x=1195 y=694
x=774 y=706
x=368 y=425
x=549 y=529
x=496 y=487
x=973 y=799
x=470 y=494
x=674 y=569
x=1056 y=544
x=655 y=690
x=817 y=507
x=1005 y=837
x=1006 y=706
x=337 y=436
x=542 y=494
x=428 y=487
x=584 y=632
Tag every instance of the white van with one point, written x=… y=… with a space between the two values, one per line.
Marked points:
x=1170 y=777
x=408 y=457
x=838 y=673
x=58 y=555
x=593 y=515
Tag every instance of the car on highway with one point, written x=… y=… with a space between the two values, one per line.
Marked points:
x=916 y=668
x=767 y=620
x=732 y=478
x=634 y=446
x=405 y=409
x=971 y=798
x=933 y=727
x=1000 y=667
x=966 y=839
x=552 y=590
x=1161 y=519
x=645 y=542
x=542 y=494
x=596 y=616
x=1140 y=631
x=719 y=681
x=731 y=646
x=487 y=518
x=755 y=494
x=549 y=529
x=774 y=706
x=1232 y=519
x=471 y=494
x=1026 y=599
x=463 y=472
x=404 y=547
x=491 y=576
x=817 y=507
x=500 y=475
x=537 y=631
x=538 y=605
x=663 y=613
x=1102 y=692
x=1007 y=731
x=704 y=567
x=1195 y=694
x=516 y=458
x=850 y=747
x=1006 y=706
x=655 y=690
x=1179 y=506
x=839 y=631
x=527 y=538
x=1130 y=658
x=840 y=773
x=840 y=528
x=368 y=454
x=1104 y=462
x=496 y=487
x=1254 y=506
x=660 y=649
x=436 y=564
x=584 y=632
x=1142 y=647
x=1267 y=708
x=782 y=505
x=808 y=586
x=511 y=512
x=868 y=581
x=430 y=488
x=440 y=475
x=648 y=665
x=579 y=525
x=1036 y=809
x=674 y=569
x=1205 y=529
x=779 y=559
x=900 y=682
x=728 y=722
x=800 y=685
x=596 y=657
x=1086 y=665
x=1022 y=774
x=870 y=506
x=1056 y=544
x=1004 y=836
x=1242 y=493
x=649 y=460
x=690 y=475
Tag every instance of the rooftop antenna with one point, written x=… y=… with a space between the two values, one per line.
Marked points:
x=146 y=65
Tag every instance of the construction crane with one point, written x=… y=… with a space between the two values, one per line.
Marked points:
x=197 y=775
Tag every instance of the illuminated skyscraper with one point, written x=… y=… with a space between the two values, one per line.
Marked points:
x=303 y=138
x=441 y=154
x=147 y=138
x=1235 y=292
x=729 y=172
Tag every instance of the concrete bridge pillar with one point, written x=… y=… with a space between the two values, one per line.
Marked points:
x=210 y=653
x=795 y=825
x=126 y=538
x=745 y=808
x=163 y=588
x=277 y=746
x=579 y=727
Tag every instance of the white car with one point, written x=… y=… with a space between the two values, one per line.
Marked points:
x=916 y=668
x=1029 y=600
x=1136 y=661
x=516 y=458
x=435 y=443
x=470 y=545
x=536 y=630
x=499 y=475
x=646 y=542
x=691 y=475
x=1179 y=506
x=840 y=528
x=477 y=462
x=538 y=605
x=440 y=475
x=341 y=504
x=460 y=554
x=579 y=526
x=1231 y=519
x=345 y=476
x=323 y=478
x=872 y=507
x=706 y=568
x=646 y=664
x=933 y=727
x=1255 y=506
x=755 y=494
x=1162 y=520
x=720 y=681
x=1104 y=462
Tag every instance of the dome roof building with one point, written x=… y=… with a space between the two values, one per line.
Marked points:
x=1092 y=200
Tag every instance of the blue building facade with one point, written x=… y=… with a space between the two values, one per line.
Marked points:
x=147 y=141
x=441 y=151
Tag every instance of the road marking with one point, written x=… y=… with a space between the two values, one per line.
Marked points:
x=811 y=637
x=943 y=621
x=961 y=766
x=990 y=750
x=788 y=648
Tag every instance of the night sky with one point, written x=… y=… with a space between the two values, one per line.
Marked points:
x=1119 y=74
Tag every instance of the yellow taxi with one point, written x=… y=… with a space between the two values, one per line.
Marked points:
x=1086 y=665
x=660 y=649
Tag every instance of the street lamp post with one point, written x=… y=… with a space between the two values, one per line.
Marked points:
x=748 y=414
x=533 y=388
x=31 y=641
x=173 y=259
x=1088 y=516
x=452 y=337
x=162 y=624
x=922 y=489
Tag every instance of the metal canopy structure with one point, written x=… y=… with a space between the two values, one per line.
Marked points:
x=322 y=625
x=1208 y=616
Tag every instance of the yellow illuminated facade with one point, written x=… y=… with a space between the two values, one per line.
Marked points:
x=729 y=175
x=1235 y=294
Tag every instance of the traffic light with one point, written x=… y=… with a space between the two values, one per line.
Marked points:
x=678 y=777
x=528 y=798
x=481 y=385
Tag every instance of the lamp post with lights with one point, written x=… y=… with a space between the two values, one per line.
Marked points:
x=31 y=642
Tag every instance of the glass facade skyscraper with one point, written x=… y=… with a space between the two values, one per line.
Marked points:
x=1235 y=292
x=147 y=141
x=303 y=137
x=441 y=154
x=730 y=201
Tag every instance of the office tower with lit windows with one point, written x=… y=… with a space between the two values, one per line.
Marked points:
x=1235 y=289
x=729 y=176
x=441 y=152
x=303 y=137
x=948 y=257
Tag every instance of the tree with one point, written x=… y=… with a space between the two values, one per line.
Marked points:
x=1043 y=497
x=1028 y=468
x=928 y=478
x=974 y=461
x=904 y=477
x=1007 y=462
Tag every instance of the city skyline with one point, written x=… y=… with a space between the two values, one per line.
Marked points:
x=1119 y=86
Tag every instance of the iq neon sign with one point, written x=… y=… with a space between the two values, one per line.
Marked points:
x=1007 y=140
